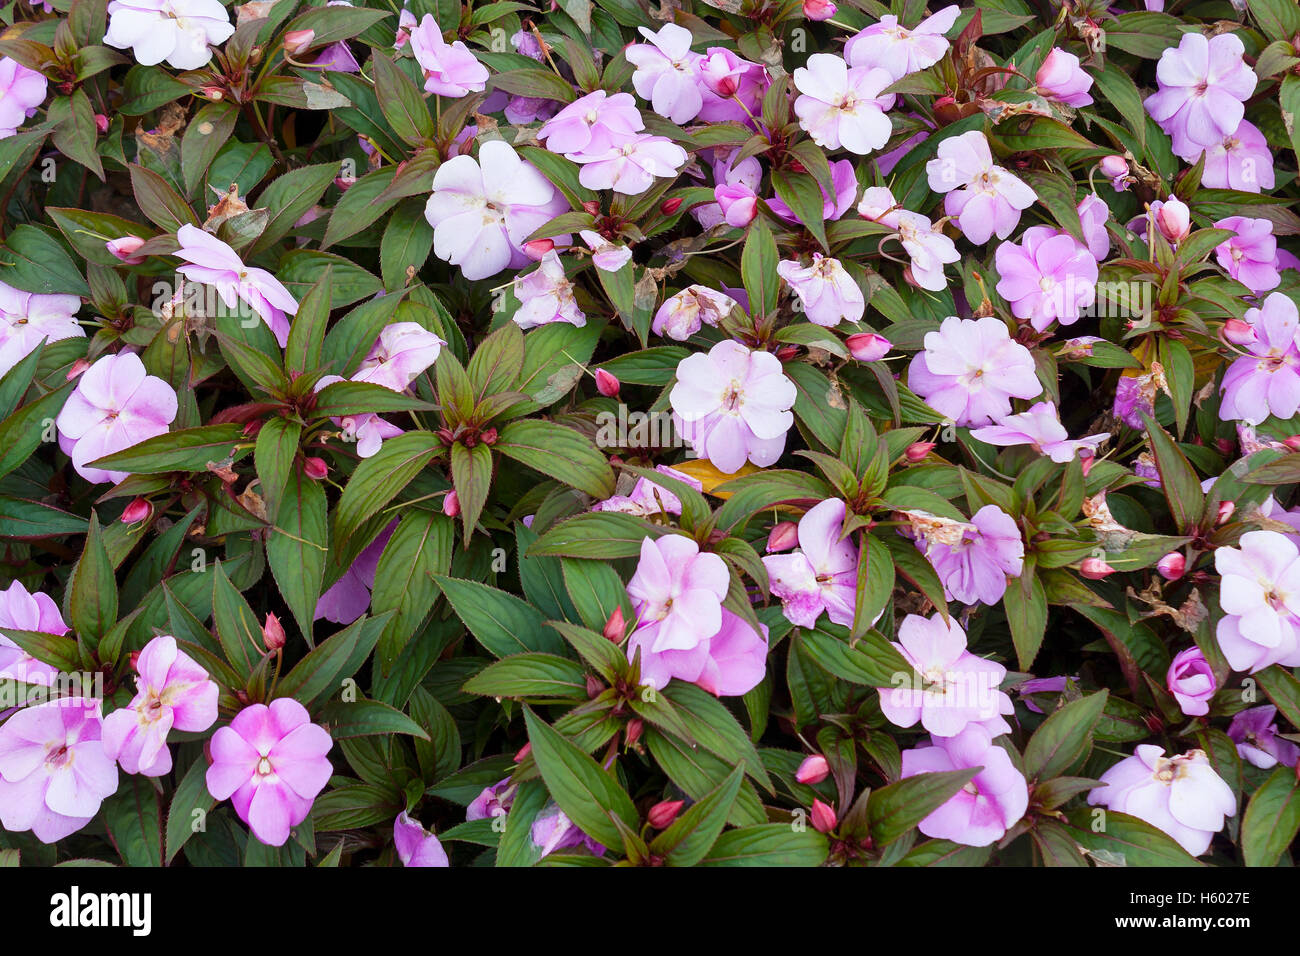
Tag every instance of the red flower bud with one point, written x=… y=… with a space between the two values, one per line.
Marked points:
x=535 y=249
x=489 y=436
x=451 y=504
x=635 y=727
x=591 y=206
x=616 y=627
x=1293 y=442
x=606 y=384
x=787 y=352
x=663 y=813
x=1094 y=569
x=315 y=468
x=784 y=536
x=273 y=633
x=524 y=751
x=670 y=206
x=137 y=510
x=1226 y=508
x=823 y=817
x=1172 y=566
x=101 y=123
x=814 y=769
x=79 y=366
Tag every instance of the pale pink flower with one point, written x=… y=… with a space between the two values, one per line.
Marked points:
x=975 y=566
x=729 y=663
x=900 y=50
x=843 y=107
x=415 y=845
x=172 y=693
x=1241 y=160
x=26 y=611
x=826 y=291
x=971 y=369
x=738 y=204
x=1093 y=216
x=592 y=125
x=981 y=812
x=684 y=313
x=1266 y=380
x=984 y=197
x=403 y=352
x=450 y=69
x=182 y=32
x=1259 y=592
x=606 y=256
x=630 y=167
x=21 y=91
x=270 y=762
x=123 y=248
x=546 y=295
x=733 y=404
x=115 y=405
x=1191 y=680
x=1204 y=84
x=212 y=262
x=1250 y=255
x=406 y=22
x=928 y=247
x=1061 y=78
x=648 y=497
x=667 y=72
x=27 y=319
x=823 y=574
x=1040 y=428
x=1047 y=277
x=677 y=594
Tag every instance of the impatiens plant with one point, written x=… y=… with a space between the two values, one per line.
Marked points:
x=608 y=433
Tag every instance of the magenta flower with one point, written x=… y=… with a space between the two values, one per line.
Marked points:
x=21 y=91
x=898 y=50
x=985 y=198
x=684 y=313
x=677 y=594
x=738 y=204
x=971 y=369
x=172 y=692
x=1204 y=84
x=1093 y=216
x=822 y=575
x=124 y=247
x=976 y=567
x=212 y=262
x=1241 y=160
x=720 y=70
x=552 y=831
x=733 y=404
x=26 y=611
x=1191 y=681
x=494 y=801
x=736 y=189
x=1266 y=379
x=845 y=181
x=115 y=405
x=667 y=72
x=1250 y=255
x=1260 y=596
x=546 y=295
x=1181 y=795
x=729 y=663
x=449 y=69
x=415 y=845
x=270 y=762
x=1061 y=78
x=1047 y=277
x=826 y=291
x=482 y=212
x=958 y=690
x=349 y=597
x=54 y=773
x=27 y=319
x=992 y=803
x=1041 y=428
x=1254 y=731
x=841 y=107
x=630 y=168
x=592 y=125
x=401 y=354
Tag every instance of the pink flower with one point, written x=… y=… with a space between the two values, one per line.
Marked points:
x=723 y=68
x=1181 y=795
x=683 y=314
x=823 y=574
x=1249 y=256
x=899 y=50
x=405 y=23
x=552 y=830
x=1260 y=596
x=115 y=405
x=21 y=91
x=212 y=262
x=54 y=773
x=733 y=404
x=667 y=72
x=26 y=611
x=868 y=346
x=416 y=846
x=1046 y=277
x=124 y=248
x=845 y=181
x=1266 y=380
x=546 y=295
x=971 y=369
x=607 y=256
x=648 y=497
x=813 y=770
x=28 y=319
x=630 y=168
x=271 y=762
x=1115 y=168
x=494 y=801
x=482 y=212
x=1093 y=216
x=592 y=125
x=929 y=248
x=985 y=198
x=721 y=71
x=1241 y=160
x=1041 y=428
x=1254 y=731
x=737 y=184
x=1173 y=219
x=819 y=9
x=677 y=594
x=826 y=291
x=172 y=692
x=403 y=351
x=1061 y=78
x=349 y=597
x=843 y=107
x=738 y=204
x=1192 y=682
x=449 y=69
x=976 y=566
x=729 y=663
x=1203 y=86
x=992 y=803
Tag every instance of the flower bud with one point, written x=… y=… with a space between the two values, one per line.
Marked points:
x=523 y=753
x=1293 y=442
x=814 y=769
x=79 y=366
x=784 y=536
x=535 y=249
x=823 y=817
x=1237 y=332
x=606 y=383
x=124 y=249
x=214 y=93
x=1173 y=219
x=786 y=352
x=1094 y=569
x=918 y=451
x=1113 y=167
x=670 y=206
x=134 y=659
x=451 y=504
x=1226 y=508
x=138 y=510
x=315 y=468
x=273 y=633
x=635 y=727
x=298 y=41
x=663 y=813
x=819 y=9
x=594 y=686
x=1172 y=566
x=489 y=436
x=616 y=627
x=101 y=123
x=868 y=346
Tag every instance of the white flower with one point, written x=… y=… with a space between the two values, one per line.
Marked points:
x=178 y=31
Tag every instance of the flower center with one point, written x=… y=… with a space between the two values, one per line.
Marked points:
x=60 y=756
x=733 y=397
x=264 y=768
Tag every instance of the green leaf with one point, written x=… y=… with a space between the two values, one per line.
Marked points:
x=1283 y=690
x=420 y=547
x=471 y=474
x=758 y=263
x=501 y=622
x=768 y=844
x=1272 y=819
x=288 y=198
x=206 y=133
x=1063 y=738
x=34 y=261
x=133 y=820
x=162 y=205
x=715 y=729
x=1026 y=607
x=29 y=520
x=558 y=452
x=22 y=432
x=597 y=534
x=894 y=809
x=273 y=456
x=296 y=548
x=191 y=794
x=189 y=449
x=691 y=836
x=323 y=669
x=530 y=675
x=380 y=478
x=1136 y=842
x=871 y=661
x=402 y=103
x=1177 y=478
x=368 y=718
x=92 y=589
x=238 y=629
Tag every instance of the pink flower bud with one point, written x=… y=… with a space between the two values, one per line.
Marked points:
x=635 y=727
x=315 y=468
x=1239 y=333
x=123 y=249
x=918 y=451
x=1087 y=464
x=1293 y=442
x=79 y=366
x=814 y=769
x=101 y=123
x=523 y=753
x=739 y=203
x=663 y=813
x=451 y=504
x=535 y=249
x=819 y=9
x=823 y=817
x=1172 y=566
x=670 y=206
x=616 y=627
x=298 y=41
x=606 y=383
x=1226 y=508
x=868 y=346
x=721 y=71
x=273 y=633
x=213 y=92
x=1113 y=167
x=138 y=510
x=1094 y=569
x=784 y=536
x=1173 y=219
